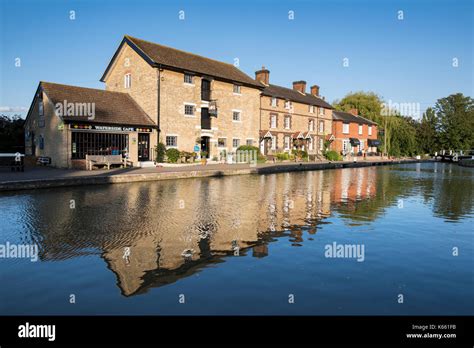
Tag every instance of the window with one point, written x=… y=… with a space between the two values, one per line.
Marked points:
x=235 y=143
x=237 y=89
x=310 y=143
x=85 y=143
x=236 y=116
x=273 y=121
x=40 y=107
x=127 y=80
x=41 y=142
x=274 y=102
x=249 y=142
x=360 y=129
x=287 y=122
x=288 y=105
x=222 y=142
x=287 y=142
x=361 y=146
x=321 y=111
x=311 y=109
x=370 y=130
x=274 y=142
x=311 y=125
x=189 y=109
x=345 y=128
x=171 y=141
x=321 y=126
x=321 y=144
x=189 y=78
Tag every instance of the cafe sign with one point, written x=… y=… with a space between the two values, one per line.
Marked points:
x=100 y=128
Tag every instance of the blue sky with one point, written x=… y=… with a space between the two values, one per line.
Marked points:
x=407 y=60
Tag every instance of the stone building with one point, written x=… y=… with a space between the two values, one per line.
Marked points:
x=194 y=100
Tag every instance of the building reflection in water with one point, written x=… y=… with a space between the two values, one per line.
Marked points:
x=153 y=234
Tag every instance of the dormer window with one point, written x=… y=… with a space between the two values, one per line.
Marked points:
x=127 y=81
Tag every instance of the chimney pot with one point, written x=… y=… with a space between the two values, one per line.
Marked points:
x=354 y=112
x=315 y=90
x=300 y=86
x=263 y=75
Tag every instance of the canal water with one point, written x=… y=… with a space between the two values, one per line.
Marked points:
x=389 y=240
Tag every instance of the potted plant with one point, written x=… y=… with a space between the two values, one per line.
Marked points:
x=203 y=157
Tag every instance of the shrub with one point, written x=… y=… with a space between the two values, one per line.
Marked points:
x=332 y=155
x=160 y=150
x=283 y=156
x=300 y=153
x=172 y=155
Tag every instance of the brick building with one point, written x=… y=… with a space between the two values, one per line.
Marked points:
x=292 y=118
x=353 y=134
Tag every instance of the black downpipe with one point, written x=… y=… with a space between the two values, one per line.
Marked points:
x=158 y=106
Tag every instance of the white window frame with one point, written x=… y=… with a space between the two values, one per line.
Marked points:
x=273 y=117
x=194 y=110
x=247 y=141
x=192 y=79
x=285 y=119
x=321 y=111
x=240 y=116
x=311 y=109
x=225 y=142
x=127 y=81
x=311 y=143
x=321 y=129
x=171 y=146
x=274 y=102
x=361 y=146
x=239 y=87
x=311 y=125
x=370 y=130
x=286 y=138
x=288 y=104
x=274 y=142
x=234 y=139
x=361 y=129
x=321 y=144
x=344 y=130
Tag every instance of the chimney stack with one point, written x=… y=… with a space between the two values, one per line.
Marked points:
x=263 y=76
x=299 y=86
x=315 y=90
x=354 y=112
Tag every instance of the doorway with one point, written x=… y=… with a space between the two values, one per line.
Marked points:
x=205 y=146
x=143 y=147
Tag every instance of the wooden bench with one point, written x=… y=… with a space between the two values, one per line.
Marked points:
x=104 y=160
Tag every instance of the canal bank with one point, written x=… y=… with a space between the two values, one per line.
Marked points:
x=50 y=178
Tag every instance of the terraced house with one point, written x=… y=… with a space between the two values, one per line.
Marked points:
x=292 y=118
x=194 y=100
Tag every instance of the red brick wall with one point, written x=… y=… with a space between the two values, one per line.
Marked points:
x=353 y=133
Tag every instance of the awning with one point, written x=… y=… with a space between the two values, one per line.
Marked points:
x=297 y=135
x=354 y=141
x=373 y=142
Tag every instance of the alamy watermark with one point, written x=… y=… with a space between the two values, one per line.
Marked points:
x=391 y=108
x=345 y=251
x=19 y=251
x=75 y=109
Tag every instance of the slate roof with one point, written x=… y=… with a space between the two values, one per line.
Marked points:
x=295 y=96
x=348 y=117
x=165 y=56
x=110 y=107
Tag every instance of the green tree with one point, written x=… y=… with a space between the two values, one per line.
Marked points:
x=455 y=115
x=12 y=138
x=427 y=133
